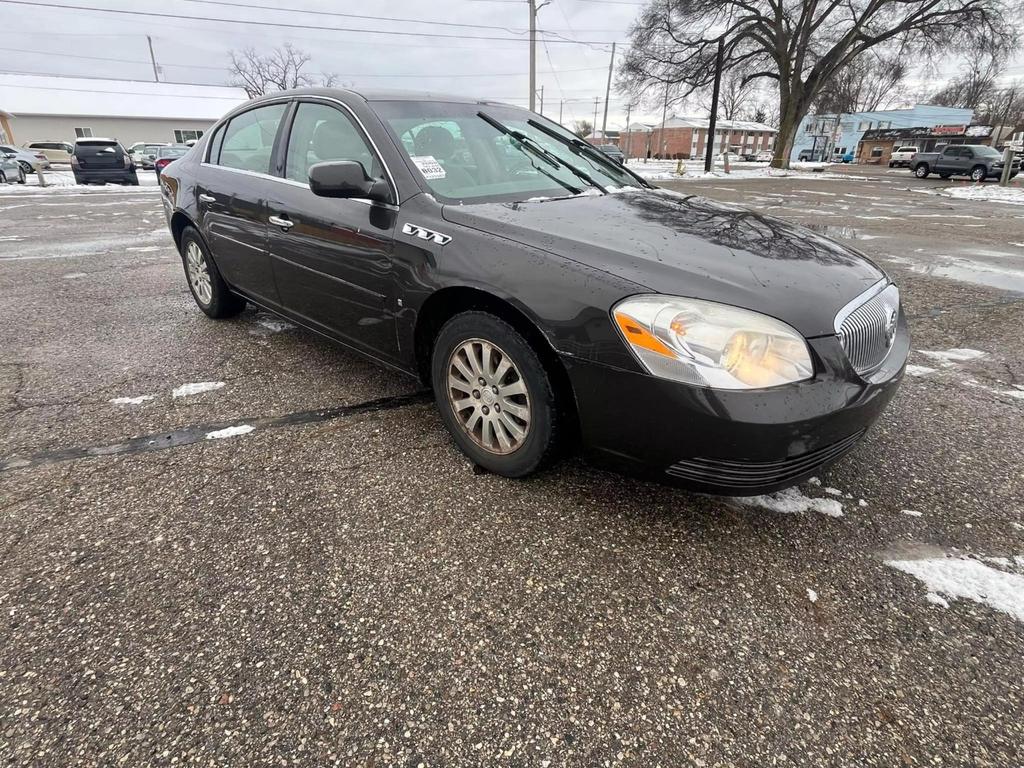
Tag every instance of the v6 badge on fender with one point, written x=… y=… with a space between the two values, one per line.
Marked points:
x=426 y=234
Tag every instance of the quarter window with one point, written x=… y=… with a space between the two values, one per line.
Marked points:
x=83 y=133
x=249 y=139
x=321 y=133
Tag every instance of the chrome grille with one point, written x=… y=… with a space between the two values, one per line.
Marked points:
x=866 y=327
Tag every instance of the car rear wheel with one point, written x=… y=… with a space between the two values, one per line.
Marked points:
x=978 y=173
x=921 y=171
x=3 y=177
x=495 y=396
x=208 y=288
x=25 y=166
x=21 y=176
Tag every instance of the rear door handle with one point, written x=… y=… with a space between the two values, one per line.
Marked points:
x=281 y=221
x=207 y=198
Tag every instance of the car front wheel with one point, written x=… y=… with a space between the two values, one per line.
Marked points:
x=978 y=173
x=208 y=288
x=495 y=396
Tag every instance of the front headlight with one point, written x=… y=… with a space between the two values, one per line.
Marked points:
x=712 y=345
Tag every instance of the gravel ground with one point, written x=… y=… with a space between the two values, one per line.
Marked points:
x=337 y=586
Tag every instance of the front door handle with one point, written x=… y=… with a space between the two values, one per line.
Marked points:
x=281 y=221
x=203 y=198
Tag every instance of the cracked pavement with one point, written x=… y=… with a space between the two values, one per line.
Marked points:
x=339 y=587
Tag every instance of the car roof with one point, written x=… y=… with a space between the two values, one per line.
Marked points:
x=95 y=139
x=383 y=94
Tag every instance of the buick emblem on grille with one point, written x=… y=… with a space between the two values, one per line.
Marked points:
x=890 y=329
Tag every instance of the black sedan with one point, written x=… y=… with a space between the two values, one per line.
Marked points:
x=548 y=295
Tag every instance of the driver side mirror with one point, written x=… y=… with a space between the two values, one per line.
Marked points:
x=346 y=178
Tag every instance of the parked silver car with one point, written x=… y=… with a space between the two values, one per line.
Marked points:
x=144 y=153
x=10 y=170
x=29 y=160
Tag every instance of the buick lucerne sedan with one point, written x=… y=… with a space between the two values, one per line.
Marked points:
x=548 y=296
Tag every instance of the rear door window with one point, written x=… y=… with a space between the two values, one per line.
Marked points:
x=248 y=141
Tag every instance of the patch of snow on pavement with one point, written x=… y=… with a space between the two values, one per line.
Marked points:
x=197 y=387
x=145 y=248
x=792 y=502
x=936 y=599
x=132 y=400
x=812 y=595
x=272 y=324
x=218 y=434
x=919 y=370
x=911 y=512
x=947 y=357
x=74 y=275
x=990 y=192
x=960 y=577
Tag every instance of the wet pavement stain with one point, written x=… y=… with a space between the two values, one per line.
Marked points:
x=198 y=433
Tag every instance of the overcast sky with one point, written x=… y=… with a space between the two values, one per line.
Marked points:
x=436 y=57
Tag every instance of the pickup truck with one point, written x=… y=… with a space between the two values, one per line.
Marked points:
x=978 y=162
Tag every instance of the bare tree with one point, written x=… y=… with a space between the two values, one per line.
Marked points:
x=868 y=83
x=798 y=44
x=735 y=95
x=279 y=70
x=583 y=128
x=975 y=86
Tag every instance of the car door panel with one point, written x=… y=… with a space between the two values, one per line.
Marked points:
x=331 y=257
x=231 y=193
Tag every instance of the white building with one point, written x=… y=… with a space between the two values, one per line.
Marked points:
x=47 y=108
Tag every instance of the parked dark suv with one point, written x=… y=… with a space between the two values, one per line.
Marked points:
x=98 y=161
x=545 y=293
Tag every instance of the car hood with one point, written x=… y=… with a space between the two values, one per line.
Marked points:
x=686 y=245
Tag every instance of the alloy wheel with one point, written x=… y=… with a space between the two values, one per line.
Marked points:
x=489 y=396
x=198 y=273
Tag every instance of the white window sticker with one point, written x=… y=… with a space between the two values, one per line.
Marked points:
x=429 y=167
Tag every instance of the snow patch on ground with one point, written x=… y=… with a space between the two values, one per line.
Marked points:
x=792 y=502
x=219 y=434
x=919 y=370
x=132 y=400
x=947 y=357
x=950 y=577
x=145 y=248
x=74 y=275
x=812 y=595
x=271 y=324
x=990 y=192
x=911 y=512
x=197 y=387
x=693 y=170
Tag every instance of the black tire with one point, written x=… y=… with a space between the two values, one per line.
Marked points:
x=978 y=173
x=3 y=177
x=25 y=166
x=21 y=176
x=223 y=303
x=921 y=170
x=538 y=447
x=891 y=164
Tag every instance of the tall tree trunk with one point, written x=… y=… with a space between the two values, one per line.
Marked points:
x=792 y=110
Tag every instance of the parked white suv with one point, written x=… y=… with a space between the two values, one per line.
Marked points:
x=902 y=156
x=55 y=151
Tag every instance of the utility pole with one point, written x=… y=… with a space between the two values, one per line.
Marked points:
x=593 y=131
x=608 y=93
x=709 y=150
x=152 y=58
x=561 y=103
x=664 y=118
x=542 y=100
x=533 y=51
x=629 y=108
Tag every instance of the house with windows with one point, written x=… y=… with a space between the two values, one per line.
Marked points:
x=830 y=136
x=50 y=108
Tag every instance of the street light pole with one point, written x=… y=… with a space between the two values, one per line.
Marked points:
x=533 y=51
x=709 y=149
x=608 y=93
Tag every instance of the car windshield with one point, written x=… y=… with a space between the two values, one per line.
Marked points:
x=987 y=151
x=468 y=158
x=171 y=151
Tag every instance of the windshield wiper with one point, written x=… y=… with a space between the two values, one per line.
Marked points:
x=528 y=142
x=581 y=147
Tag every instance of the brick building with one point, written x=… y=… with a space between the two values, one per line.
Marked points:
x=876 y=146
x=686 y=137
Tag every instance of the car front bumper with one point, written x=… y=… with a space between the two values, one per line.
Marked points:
x=732 y=442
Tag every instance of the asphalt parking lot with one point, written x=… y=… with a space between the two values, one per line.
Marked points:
x=232 y=543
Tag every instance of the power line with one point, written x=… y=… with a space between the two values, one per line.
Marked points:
x=285 y=25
